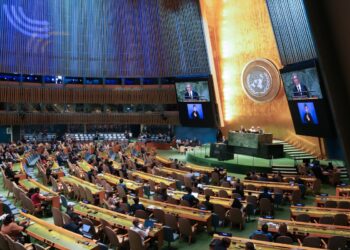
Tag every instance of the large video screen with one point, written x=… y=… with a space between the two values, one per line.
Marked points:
x=302 y=84
x=307 y=103
x=192 y=91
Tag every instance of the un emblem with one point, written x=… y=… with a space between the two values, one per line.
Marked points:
x=261 y=80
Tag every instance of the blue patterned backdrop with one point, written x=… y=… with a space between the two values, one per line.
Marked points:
x=102 y=38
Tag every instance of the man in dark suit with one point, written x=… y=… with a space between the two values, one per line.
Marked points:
x=299 y=89
x=191 y=94
x=307 y=116
x=195 y=113
x=190 y=197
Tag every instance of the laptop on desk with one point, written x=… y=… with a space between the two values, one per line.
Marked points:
x=85 y=229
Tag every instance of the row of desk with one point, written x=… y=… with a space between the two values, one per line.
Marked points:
x=177 y=210
x=317 y=212
x=321 y=200
x=239 y=243
x=145 y=177
x=55 y=236
x=306 y=228
x=50 y=195
x=19 y=170
x=95 y=190
x=284 y=186
x=113 y=180
x=117 y=220
x=342 y=190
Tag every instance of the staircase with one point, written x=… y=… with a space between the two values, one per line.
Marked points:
x=294 y=153
x=284 y=169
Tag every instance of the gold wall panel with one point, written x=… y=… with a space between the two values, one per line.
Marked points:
x=241 y=31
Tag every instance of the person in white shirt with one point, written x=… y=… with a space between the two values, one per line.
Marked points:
x=138 y=228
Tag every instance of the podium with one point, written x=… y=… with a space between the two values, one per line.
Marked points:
x=220 y=151
x=254 y=144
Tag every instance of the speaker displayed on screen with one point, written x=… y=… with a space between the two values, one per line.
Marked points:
x=194 y=101
x=307 y=100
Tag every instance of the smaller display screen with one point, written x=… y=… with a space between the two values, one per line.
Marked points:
x=195 y=111
x=192 y=91
x=196 y=114
x=307 y=113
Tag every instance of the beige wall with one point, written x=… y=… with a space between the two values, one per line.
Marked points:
x=240 y=31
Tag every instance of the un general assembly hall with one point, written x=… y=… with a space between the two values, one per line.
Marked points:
x=174 y=124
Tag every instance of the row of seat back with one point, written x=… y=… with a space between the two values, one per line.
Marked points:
x=335 y=204
x=338 y=219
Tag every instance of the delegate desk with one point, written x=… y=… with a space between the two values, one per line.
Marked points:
x=95 y=190
x=321 y=200
x=309 y=180
x=117 y=220
x=317 y=212
x=173 y=171
x=306 y=228
x=342 y=190
x=216 y=189
x=134 y=186
x=202 y=169
x=56 y=169
x=239 y=243
x=164 y=161
x=50 y=195
x=116 y=165
x=177 y=210
x=157 y=179
x=19 y=170
x=57 y=237
x=84 y=165
x=225 y=202
x=284 y=186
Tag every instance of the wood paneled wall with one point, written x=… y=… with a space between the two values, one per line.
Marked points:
x=15 y=118
x=92 y=95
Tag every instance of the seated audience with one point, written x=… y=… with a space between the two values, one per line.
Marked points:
x=189 y=197
x=74 y=225
x=249 y=246
x=222 y=244
x=10 y=174
x=264 y=230
x=283 y=231
x=207 y=204
x=265 y=194
x=136 y=206
x=236 y=203
x=162 y=194
x=14 y=230
x=138 y=228
x=38 y=199
x=122 y=184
